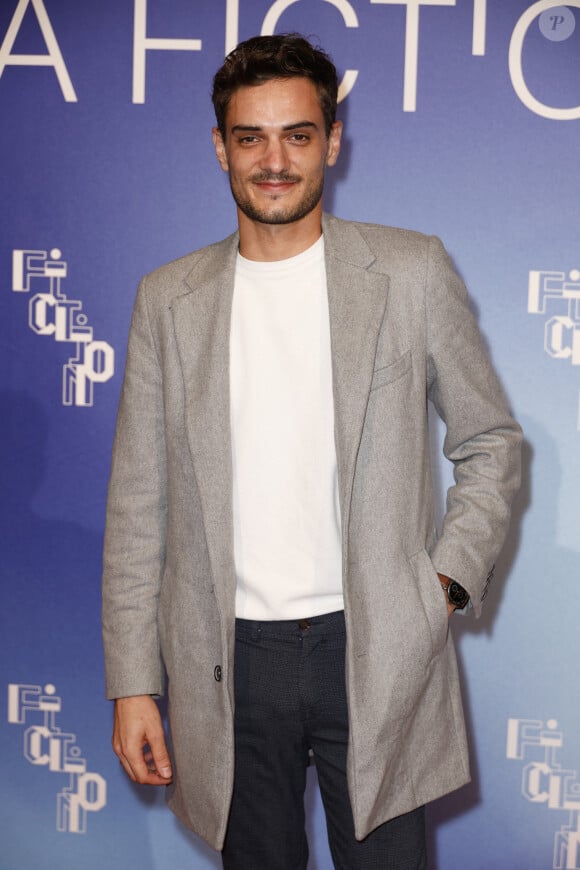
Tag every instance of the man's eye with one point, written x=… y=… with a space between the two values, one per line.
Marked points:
x=299 y=137
x=247 y=140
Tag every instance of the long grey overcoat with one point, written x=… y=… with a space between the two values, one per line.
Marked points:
x=401 y=332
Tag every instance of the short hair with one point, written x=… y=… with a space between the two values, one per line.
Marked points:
x=283 y=56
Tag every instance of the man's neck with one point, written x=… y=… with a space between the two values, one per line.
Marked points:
x=269 y=242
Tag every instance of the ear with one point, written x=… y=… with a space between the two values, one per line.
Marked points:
x=220 y=148
x=334 y=139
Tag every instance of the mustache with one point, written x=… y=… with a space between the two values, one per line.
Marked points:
x=283 y=177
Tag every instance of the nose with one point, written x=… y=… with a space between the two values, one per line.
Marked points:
x=274 y=157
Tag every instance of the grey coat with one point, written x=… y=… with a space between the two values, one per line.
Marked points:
x=401 y=332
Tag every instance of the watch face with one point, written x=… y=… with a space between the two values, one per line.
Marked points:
x=457 y=595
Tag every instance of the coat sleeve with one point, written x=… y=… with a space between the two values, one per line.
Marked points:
x=482 y=440
x=134 y=548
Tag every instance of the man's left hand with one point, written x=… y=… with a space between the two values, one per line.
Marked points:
x=450 y=607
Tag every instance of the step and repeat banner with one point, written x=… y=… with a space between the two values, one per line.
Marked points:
x=462 y=119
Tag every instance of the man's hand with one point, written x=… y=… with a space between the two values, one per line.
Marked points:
x=444 y=580
x=139 y=741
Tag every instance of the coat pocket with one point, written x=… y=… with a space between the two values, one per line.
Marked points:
x=395 y=370
x=432 y=598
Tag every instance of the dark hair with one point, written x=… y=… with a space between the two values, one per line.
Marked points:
x=283 y=56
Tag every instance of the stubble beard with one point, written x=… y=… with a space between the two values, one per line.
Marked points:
x=283 y=214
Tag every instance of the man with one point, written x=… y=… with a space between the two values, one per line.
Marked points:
x=270 y=539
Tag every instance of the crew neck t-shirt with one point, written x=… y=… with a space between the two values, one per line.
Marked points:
x=287 y=542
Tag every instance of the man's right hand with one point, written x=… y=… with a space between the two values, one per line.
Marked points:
x=139 y=741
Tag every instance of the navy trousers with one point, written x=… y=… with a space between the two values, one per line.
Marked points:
x=290 y=699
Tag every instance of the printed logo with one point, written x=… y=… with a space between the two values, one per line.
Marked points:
x=545 y=781
x=46 y=745
x=50 y=312
x=557 y=23
x=557 y=296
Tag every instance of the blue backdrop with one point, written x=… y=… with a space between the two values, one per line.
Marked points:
x=462 y=119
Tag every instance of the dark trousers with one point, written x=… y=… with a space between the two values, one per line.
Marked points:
x=290 y=698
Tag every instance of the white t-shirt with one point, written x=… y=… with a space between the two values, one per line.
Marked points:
x=287 y=540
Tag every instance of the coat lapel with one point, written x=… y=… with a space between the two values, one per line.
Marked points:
x=202 y=328
x=357 y=295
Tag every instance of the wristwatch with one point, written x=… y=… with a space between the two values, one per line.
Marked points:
x=456 y=594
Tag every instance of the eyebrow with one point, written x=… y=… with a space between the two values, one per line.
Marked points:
x=247 y=128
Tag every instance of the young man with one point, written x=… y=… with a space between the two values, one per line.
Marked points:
x=270 y=540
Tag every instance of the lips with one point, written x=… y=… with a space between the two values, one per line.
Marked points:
x=275 y=184
x=275 y=187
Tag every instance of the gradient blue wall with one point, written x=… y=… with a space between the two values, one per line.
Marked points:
x=462 y=119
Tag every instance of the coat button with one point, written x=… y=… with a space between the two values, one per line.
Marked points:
x=217 y=672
